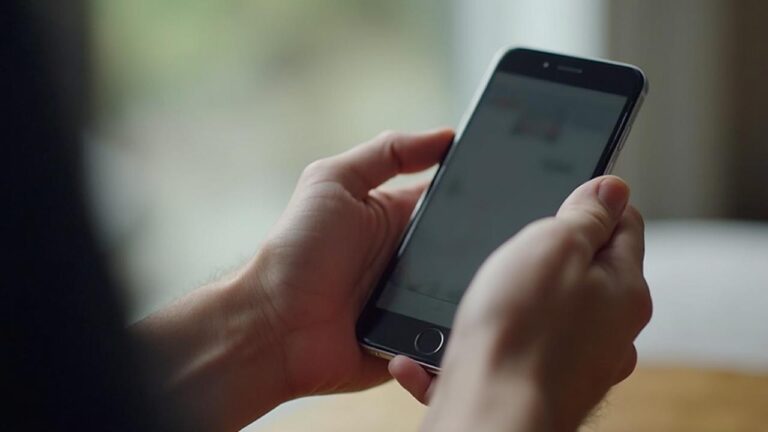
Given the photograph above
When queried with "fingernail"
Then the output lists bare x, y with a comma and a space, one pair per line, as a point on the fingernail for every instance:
614, 194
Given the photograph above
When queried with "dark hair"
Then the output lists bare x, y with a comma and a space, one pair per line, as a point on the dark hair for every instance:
68, 363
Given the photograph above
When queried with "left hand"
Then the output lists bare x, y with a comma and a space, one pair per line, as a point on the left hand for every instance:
320, 262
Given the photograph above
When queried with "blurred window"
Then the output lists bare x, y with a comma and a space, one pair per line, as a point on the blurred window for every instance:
206, 111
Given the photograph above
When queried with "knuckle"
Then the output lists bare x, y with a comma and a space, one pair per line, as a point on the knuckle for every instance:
554, 242
599, 218
634, 215
568, 242
538, 227
316, 168
641, 302
388, 137
646, 303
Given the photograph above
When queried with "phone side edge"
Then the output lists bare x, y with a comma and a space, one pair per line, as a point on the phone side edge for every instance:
388, 355
630, 120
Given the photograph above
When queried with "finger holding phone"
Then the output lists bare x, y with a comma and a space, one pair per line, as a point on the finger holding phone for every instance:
541, 125
548, 323
288, 324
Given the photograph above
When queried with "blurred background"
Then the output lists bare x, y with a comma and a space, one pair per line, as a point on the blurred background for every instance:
205, 112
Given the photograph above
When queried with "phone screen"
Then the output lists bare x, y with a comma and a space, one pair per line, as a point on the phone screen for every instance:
529, 143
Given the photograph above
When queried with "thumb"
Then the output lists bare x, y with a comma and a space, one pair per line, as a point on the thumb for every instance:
595, 208
412, 377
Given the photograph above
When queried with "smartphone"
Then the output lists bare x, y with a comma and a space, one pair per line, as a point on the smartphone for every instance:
541, 125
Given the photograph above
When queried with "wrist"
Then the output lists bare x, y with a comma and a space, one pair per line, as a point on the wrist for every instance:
242, 368
253, 342
220, 354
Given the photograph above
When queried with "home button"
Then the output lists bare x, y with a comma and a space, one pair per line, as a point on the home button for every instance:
429, 341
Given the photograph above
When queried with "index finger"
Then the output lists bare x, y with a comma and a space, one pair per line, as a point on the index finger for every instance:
365, 167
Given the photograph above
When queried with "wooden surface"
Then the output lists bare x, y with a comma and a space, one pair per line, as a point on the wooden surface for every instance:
652, 399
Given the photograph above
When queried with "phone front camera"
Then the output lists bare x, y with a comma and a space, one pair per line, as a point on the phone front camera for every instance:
545, 64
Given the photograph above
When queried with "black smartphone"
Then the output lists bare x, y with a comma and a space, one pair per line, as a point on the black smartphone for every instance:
541, 125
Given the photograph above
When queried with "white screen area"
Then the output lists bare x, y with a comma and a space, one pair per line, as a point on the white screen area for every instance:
528, 145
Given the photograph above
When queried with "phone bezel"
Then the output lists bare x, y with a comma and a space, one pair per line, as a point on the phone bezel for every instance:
385, 333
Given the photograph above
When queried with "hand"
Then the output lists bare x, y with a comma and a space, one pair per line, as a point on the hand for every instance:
548, 323
326, 253
284, 325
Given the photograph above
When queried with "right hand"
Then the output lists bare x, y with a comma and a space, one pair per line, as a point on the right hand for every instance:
548, 323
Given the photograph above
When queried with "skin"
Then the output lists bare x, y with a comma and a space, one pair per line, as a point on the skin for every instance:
282, 327
549, 327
